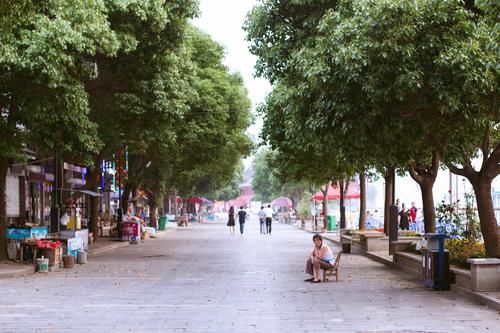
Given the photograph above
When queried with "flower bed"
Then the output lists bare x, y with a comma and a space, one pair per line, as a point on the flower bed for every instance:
461, 250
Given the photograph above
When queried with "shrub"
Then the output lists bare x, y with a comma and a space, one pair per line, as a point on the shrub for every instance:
376, 229
409, 234
304, 206
413, 248
461, 250
457, 222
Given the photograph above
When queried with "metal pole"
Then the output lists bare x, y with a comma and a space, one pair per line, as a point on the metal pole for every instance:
451, 187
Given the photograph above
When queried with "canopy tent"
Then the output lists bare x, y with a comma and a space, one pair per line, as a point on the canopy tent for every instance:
281, 202
199, 200
334, 194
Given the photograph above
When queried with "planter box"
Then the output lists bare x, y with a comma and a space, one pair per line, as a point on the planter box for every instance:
346, 242
408, 262
346, 232
371, 241
402, 243
485, 274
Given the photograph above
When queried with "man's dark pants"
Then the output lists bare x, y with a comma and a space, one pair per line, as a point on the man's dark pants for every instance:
269, 222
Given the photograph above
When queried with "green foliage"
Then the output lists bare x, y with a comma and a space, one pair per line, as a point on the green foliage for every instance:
412, 248
304, 206
277, 28
262, 182
211, 137
462, 249
375, 84
232, 190
43, 62
406, 233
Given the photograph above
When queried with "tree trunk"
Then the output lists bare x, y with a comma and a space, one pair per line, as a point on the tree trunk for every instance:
362, 200
428, 206
481, 183
4, 166
388, 199
175, 207
153, 206
425, 176
154, 194
343, 191
124, 198
488, 221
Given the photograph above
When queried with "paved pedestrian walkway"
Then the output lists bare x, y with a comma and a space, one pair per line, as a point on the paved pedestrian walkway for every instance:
201, 279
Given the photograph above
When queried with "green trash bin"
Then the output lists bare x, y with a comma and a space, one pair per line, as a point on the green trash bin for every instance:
332, 222
163, 222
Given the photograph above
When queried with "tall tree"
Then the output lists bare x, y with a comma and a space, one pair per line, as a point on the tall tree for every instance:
211, 137
139, 96
43, 63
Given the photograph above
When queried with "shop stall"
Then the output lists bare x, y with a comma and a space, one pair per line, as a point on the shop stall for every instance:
17, 235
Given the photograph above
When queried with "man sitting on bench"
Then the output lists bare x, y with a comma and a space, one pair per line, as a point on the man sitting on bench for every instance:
321, 257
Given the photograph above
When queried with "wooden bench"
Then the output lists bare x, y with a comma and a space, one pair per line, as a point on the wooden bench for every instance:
334, 270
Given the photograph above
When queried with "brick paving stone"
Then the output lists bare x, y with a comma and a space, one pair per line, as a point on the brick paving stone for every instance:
201, 279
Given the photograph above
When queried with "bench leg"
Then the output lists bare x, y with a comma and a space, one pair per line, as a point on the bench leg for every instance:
326, 274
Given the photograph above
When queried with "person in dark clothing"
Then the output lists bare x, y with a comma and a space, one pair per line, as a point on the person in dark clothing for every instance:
404, 223
242, 216
230, 222
269, 218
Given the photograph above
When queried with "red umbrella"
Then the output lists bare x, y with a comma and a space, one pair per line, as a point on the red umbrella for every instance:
334, 194
199, 200
195, 200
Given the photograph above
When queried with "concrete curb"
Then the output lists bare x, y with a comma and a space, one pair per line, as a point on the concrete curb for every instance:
108, 247
477, 297
120, 244
17, 272
26, 270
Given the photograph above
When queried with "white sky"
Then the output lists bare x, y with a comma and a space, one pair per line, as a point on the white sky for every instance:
223, 20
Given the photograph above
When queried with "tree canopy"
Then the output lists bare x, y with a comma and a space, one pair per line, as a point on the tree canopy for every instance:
378, 84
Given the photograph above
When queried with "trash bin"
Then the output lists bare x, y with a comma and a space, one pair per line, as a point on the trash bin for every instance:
436, 263
332, 222
163, 222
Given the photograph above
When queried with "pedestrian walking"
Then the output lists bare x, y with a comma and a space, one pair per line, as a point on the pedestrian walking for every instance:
231, 222
262, 220
269, 219
242, 216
